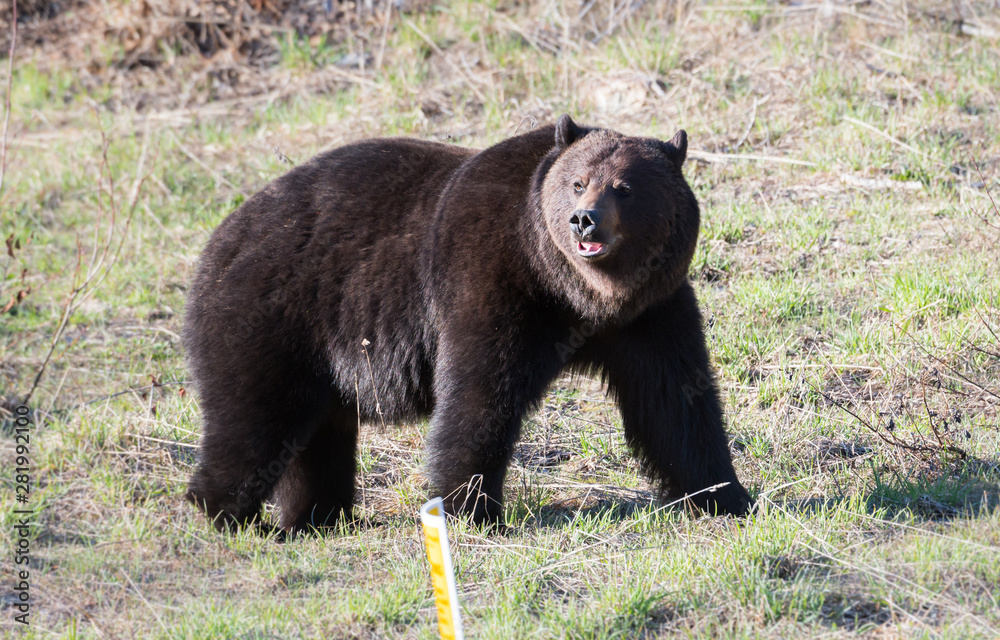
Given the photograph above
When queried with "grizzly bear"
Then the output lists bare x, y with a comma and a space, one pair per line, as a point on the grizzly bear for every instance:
393, 279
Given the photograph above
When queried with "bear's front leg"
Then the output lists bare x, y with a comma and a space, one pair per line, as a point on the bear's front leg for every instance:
483, 392
469, 447
657, 367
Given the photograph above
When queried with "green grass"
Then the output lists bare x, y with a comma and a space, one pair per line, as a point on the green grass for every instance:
834, 299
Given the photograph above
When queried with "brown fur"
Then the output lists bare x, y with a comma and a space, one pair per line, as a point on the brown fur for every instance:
462, 273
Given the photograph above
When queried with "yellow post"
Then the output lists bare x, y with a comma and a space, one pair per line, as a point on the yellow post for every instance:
442, 571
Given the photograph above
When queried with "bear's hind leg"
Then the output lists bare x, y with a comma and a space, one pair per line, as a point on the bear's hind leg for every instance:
231, 481
318, 487
250, 441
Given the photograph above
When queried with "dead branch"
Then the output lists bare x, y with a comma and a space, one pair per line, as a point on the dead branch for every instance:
985, 217
7, 100
891, 439
103, 257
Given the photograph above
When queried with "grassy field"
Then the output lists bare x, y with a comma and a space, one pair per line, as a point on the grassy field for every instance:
848, 270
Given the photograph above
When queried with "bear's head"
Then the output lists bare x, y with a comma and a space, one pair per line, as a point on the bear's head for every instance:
621, 215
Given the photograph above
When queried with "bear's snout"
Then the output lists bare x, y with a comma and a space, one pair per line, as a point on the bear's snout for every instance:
584, 223
591, 240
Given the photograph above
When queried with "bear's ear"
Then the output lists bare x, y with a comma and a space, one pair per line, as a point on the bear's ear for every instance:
676, 150
567, 131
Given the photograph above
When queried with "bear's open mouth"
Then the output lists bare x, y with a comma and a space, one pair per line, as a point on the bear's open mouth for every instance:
590, 249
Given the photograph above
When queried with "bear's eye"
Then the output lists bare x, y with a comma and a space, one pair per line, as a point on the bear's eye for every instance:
578, 187
623, 189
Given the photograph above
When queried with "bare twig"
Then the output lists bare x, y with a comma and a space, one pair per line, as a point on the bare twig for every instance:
470, 81
530, 119
934, 429
102, 259
893, 140
893, 440
282, 157
991, 330
149, 387
212, 172
708, 156
385, 36
371, 372
985, 217
947, 366
890, 439
7, 100
746, 133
